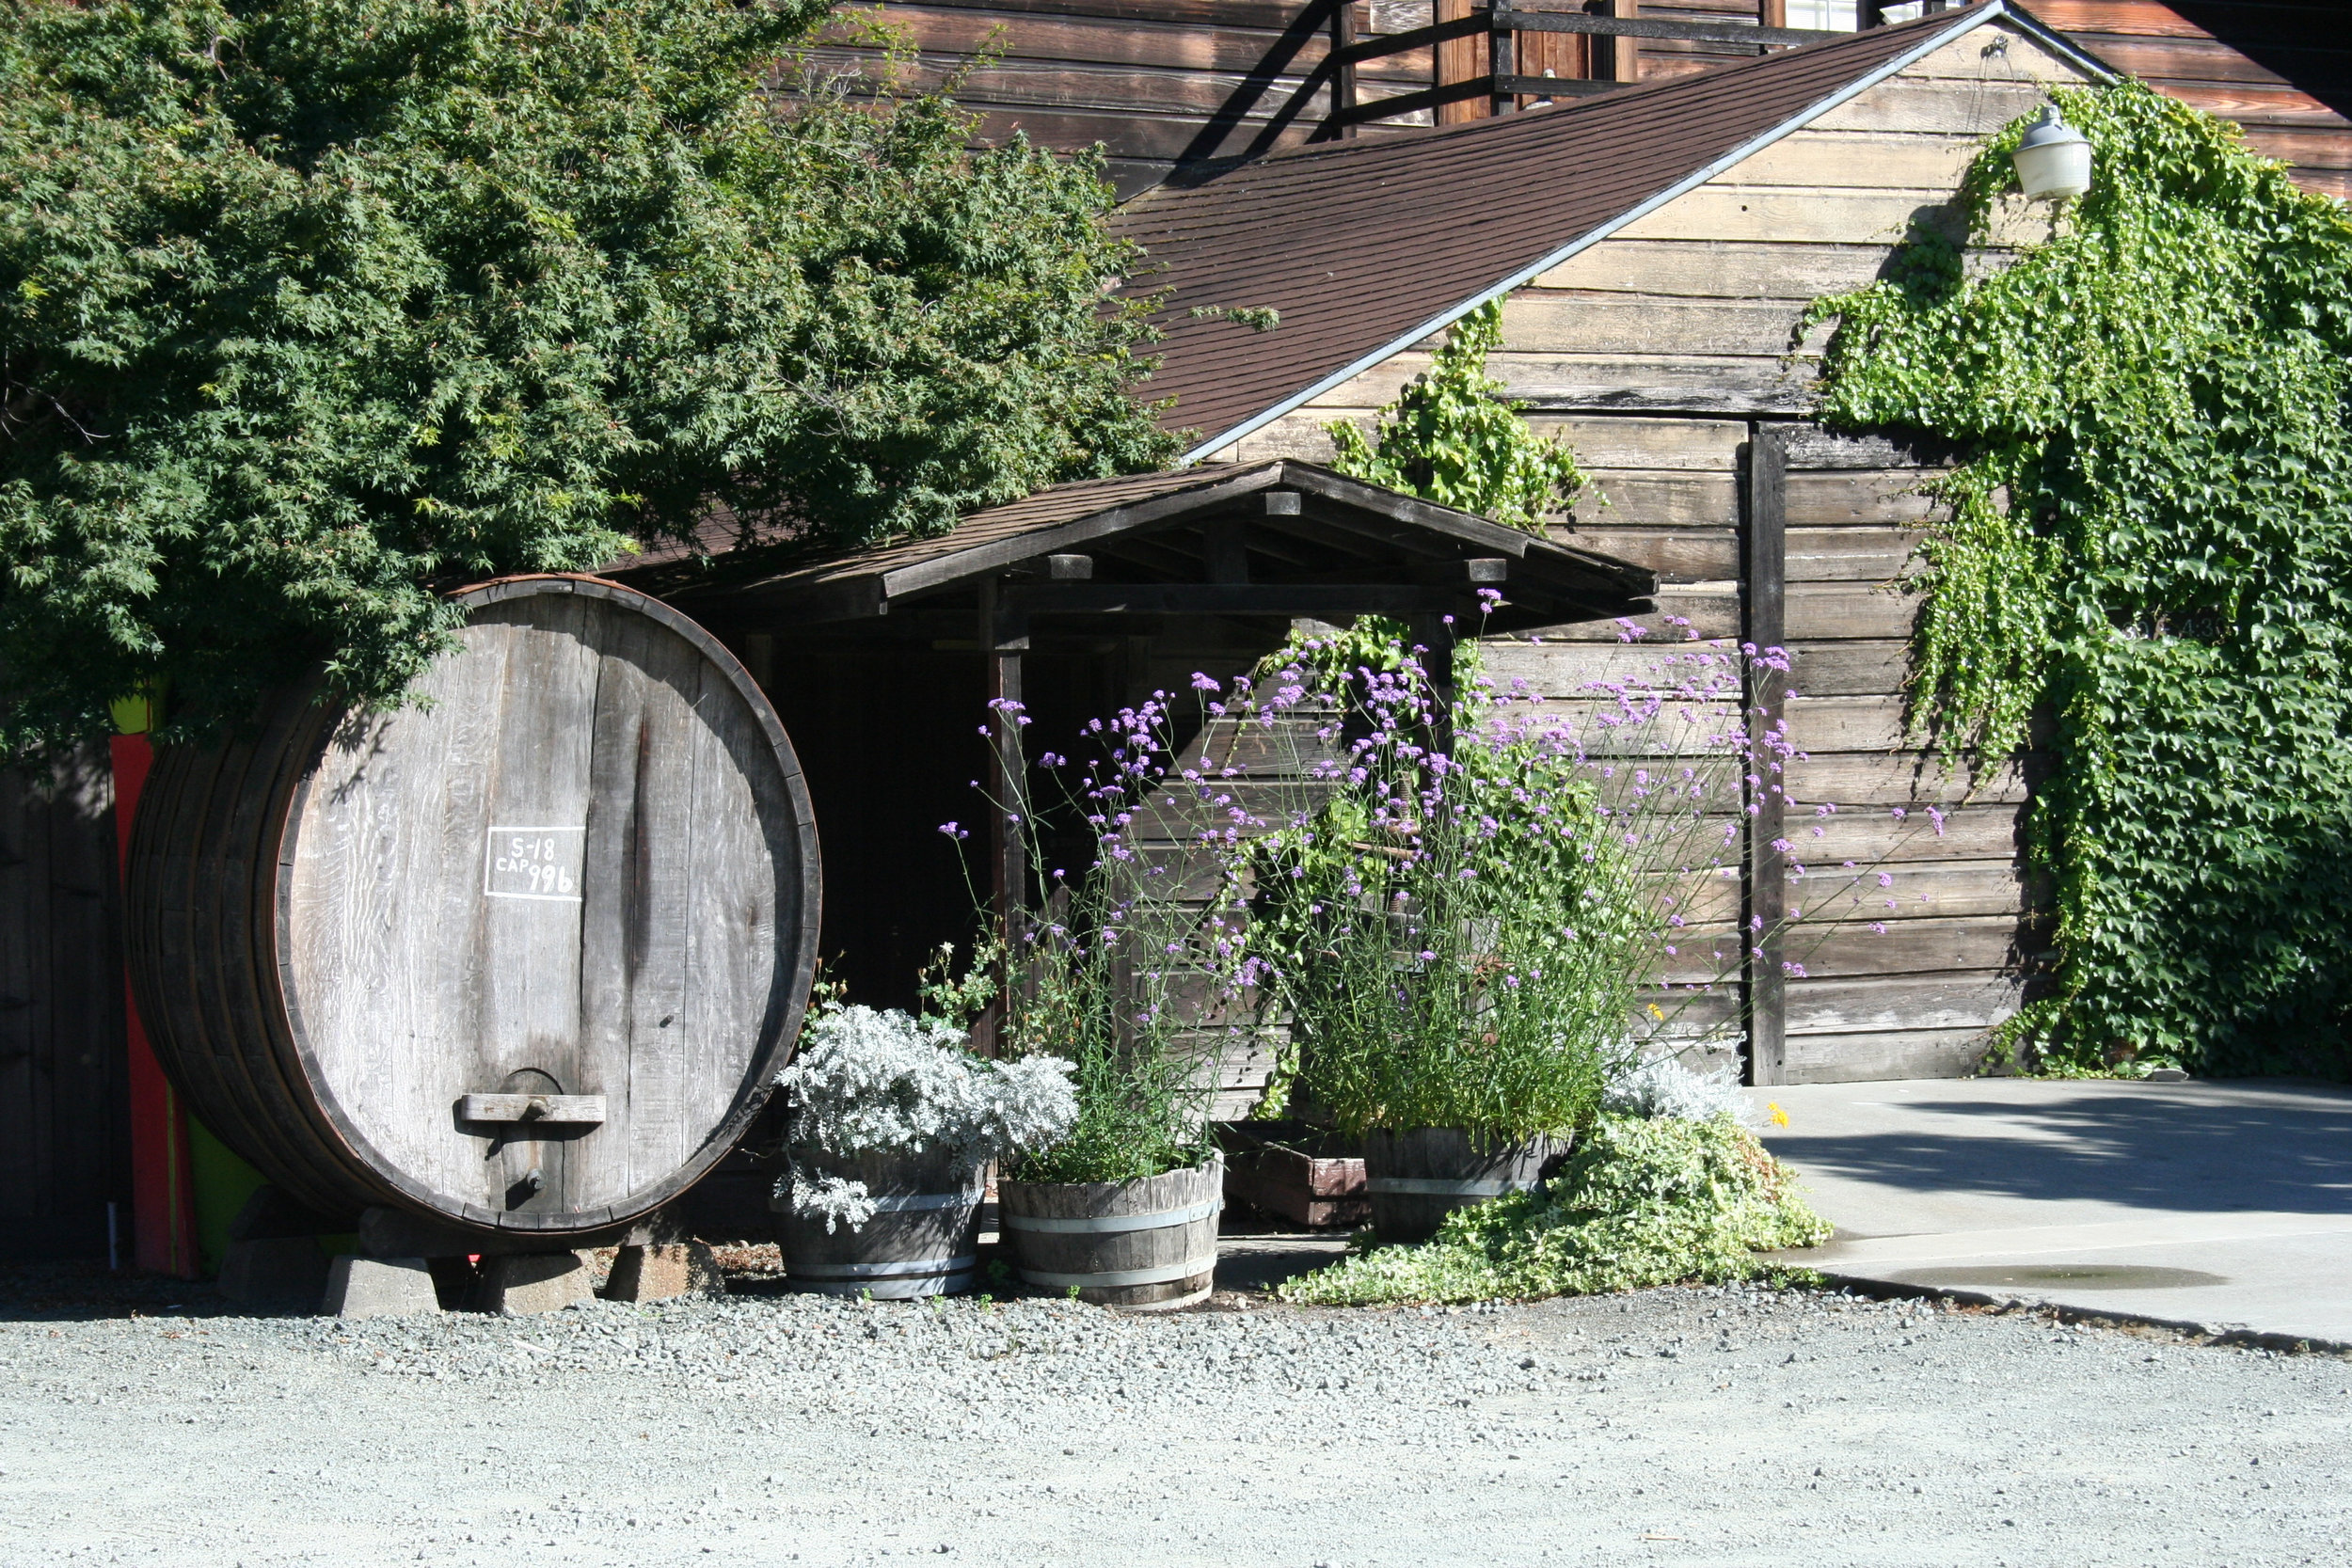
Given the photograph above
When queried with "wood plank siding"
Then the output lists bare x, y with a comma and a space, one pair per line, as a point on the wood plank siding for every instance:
2281, 69
1164, 84
64, 1123
1156, 83
1662, 354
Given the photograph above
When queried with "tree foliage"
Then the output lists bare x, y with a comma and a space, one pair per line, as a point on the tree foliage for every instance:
1452, 436
2153, 545
308, 308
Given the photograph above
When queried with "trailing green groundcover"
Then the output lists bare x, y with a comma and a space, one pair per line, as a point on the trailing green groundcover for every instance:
310, 307
2160, 392
1642, 1202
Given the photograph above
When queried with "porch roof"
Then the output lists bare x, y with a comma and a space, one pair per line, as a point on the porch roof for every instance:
1274, 538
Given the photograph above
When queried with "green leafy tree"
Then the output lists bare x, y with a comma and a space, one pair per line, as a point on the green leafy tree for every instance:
1452, 436
2153, 545
312, 307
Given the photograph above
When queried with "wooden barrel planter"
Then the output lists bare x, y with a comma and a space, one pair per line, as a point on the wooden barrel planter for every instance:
923, 1239
1148, 1243
523, 958
1417, 1177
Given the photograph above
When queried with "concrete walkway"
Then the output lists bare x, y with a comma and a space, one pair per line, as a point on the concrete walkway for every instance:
2228, 1204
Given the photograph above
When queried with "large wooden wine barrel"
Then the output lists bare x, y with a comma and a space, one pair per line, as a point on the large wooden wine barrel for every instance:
521, 956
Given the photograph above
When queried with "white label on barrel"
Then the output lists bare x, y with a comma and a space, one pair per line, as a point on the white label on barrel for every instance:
534, 863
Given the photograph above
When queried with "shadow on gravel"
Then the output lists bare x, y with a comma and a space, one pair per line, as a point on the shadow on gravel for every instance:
82, 1293
2284, 1151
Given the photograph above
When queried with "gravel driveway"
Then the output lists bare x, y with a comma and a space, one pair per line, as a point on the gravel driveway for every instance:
1674, 1426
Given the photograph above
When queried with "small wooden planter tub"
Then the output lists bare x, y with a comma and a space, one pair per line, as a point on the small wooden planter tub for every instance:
923, 1239
1149, 1243
1419, 1175
1299, 1173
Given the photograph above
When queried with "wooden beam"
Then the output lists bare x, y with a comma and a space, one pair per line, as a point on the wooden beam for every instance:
1223, 554
1462, 91
1552, 86
1763, 600
1334, 602
1457, 65
1484, 571
1624, 24
1490, 536
1502, 69
958, 565
1468, 25
1620, 57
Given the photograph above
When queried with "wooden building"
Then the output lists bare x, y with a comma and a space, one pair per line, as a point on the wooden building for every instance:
1656, 229
1654, 249
1173, 84
64, 1099
2281, 69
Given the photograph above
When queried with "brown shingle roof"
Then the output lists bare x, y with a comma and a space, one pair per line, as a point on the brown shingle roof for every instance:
1365, 247
1047, 509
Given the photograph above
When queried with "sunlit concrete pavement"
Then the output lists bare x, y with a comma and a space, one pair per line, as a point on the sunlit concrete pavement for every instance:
2227, 1204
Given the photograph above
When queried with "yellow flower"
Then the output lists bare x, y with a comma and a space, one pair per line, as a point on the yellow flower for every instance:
1656, 1013
1780, 1117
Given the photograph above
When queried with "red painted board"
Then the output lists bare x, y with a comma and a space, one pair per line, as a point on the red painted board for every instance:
163, 1186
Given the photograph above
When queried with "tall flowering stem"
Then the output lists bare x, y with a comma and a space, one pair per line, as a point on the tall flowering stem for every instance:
1107, 975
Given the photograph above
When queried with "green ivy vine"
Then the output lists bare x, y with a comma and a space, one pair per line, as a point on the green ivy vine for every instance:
1454, 438
2150, 550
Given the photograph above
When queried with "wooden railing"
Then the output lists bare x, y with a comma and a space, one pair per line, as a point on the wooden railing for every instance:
1503, 87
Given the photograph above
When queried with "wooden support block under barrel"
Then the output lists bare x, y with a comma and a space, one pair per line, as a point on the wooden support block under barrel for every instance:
658, 1271
397, 1233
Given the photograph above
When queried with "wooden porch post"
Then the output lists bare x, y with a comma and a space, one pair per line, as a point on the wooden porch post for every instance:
1458, 60
1429, 630
1004, 638
1617, 59
1501, 61
1344, 76
1763, 600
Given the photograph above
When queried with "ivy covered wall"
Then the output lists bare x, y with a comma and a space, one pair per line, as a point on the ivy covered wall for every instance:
2153, 546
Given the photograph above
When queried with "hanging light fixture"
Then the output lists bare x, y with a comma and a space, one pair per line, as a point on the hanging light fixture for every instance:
2054, 160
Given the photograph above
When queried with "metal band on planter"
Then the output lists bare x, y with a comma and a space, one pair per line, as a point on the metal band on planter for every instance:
889, 1271
1417, 1176
1158, 1275
927, 1200
1100, 1225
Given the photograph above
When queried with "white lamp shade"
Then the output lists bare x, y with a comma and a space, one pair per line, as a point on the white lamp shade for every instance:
2054, 160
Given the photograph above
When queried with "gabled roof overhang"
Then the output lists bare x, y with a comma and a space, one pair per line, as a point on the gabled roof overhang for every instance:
1279, 539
